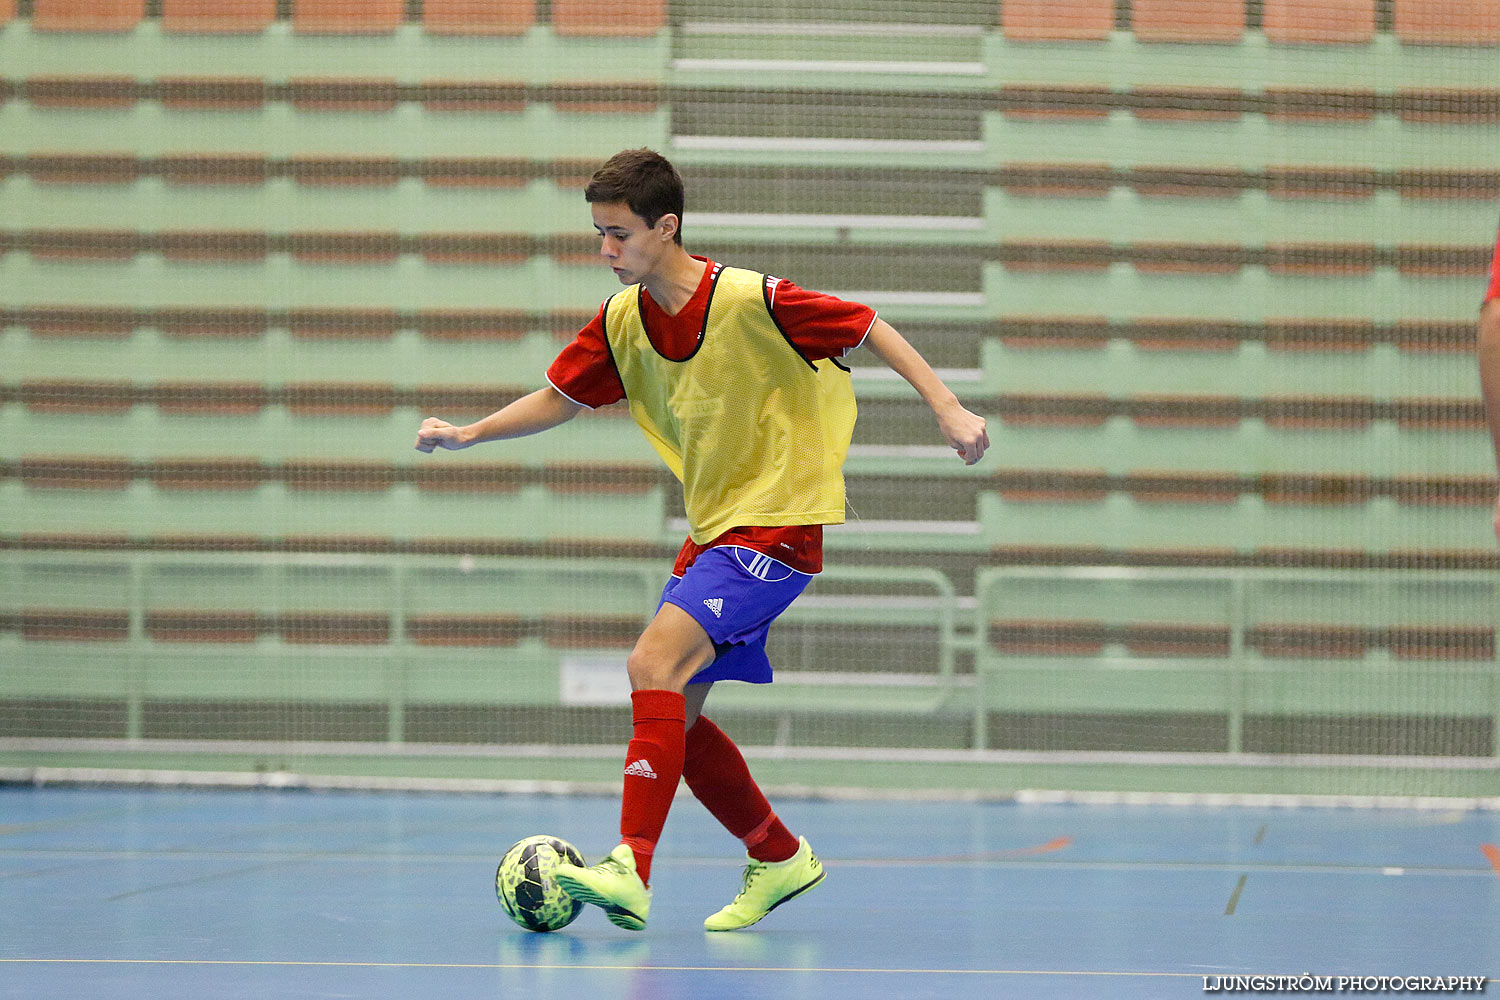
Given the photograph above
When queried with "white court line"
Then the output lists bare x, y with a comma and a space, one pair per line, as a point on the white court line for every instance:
45, 776
1023, 861
589, 966
806, 220
886, 66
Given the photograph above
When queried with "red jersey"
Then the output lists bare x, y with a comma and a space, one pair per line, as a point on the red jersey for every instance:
1494, 292
819, 326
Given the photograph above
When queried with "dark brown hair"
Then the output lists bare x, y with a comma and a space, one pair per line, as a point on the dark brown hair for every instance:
644, 180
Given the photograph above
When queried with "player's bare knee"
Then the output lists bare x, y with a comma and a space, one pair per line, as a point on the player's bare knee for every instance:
649, 672
643, 674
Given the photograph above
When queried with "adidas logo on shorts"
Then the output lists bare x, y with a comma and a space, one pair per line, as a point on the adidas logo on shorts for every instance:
640, 768
716, 605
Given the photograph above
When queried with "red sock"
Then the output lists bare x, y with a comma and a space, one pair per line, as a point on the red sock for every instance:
716, 772
653, 765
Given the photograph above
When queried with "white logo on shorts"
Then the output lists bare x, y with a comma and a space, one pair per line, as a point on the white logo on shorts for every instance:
716, 605
762, 566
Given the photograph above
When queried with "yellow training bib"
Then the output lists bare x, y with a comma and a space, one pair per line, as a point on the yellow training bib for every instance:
756, 433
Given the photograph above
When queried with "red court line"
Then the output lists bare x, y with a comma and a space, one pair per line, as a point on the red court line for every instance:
1047, 848
1013, 852
1493, 853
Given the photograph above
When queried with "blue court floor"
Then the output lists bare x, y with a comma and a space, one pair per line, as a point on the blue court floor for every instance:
212, 895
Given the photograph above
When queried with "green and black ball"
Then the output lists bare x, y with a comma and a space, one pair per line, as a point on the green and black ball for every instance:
528, 893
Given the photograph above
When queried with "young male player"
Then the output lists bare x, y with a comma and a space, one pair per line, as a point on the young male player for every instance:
734, 378
1489, 361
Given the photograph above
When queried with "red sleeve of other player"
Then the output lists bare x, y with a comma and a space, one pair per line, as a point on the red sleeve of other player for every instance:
821, 326
584, 371
1494, 292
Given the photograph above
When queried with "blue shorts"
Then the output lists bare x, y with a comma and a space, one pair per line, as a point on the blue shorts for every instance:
735, 593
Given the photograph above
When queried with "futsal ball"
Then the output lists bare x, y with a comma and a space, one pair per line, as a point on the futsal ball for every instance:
528, 892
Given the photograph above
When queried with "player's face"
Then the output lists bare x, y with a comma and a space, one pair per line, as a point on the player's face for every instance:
630, 247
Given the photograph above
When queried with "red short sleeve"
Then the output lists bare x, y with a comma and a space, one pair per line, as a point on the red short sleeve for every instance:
821, 326
1494, 292
585, 371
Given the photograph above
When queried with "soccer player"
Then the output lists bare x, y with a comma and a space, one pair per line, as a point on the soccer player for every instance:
734, 377
1489, 362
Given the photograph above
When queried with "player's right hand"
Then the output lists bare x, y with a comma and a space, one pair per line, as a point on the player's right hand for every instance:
965, 433
435, 433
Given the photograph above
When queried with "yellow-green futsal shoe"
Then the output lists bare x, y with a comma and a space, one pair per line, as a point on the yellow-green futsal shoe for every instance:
611, 884
768, 884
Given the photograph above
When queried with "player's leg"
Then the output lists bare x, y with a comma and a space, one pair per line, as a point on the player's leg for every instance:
673, 648
693, 696
779, 866
755, 591
718, 777
669, 652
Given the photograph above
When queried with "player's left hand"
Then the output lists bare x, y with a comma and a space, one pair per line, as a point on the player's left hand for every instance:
965, 433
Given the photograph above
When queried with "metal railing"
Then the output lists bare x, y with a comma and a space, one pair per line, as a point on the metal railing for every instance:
1232, 680
1242, 603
